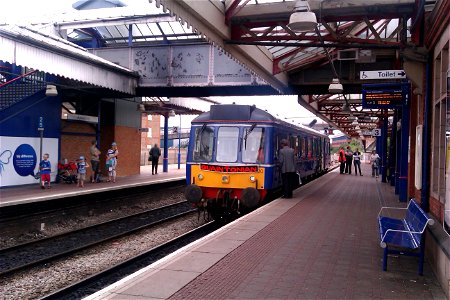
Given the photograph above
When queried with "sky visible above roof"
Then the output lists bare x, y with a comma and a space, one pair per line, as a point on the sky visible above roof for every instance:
24, 11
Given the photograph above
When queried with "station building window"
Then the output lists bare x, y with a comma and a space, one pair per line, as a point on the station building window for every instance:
441, 120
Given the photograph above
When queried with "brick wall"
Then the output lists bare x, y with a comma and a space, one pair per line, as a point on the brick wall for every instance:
154, 125
129, 144
437, 209
76, 140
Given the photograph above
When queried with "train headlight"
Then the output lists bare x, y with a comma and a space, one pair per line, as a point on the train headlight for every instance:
252, 178
225, 179
200, 176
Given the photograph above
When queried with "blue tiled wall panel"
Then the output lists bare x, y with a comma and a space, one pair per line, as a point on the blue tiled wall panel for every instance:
22, 119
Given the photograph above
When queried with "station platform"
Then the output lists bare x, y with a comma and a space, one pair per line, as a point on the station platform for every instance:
322, 244
32, 193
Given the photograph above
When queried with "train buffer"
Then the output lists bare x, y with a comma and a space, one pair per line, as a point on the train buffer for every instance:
406, 235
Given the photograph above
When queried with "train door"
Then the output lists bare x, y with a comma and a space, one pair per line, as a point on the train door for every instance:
275, 148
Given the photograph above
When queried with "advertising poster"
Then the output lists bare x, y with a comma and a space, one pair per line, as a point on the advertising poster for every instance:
19, 159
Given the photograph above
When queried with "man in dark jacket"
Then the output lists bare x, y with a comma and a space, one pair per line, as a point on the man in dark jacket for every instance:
154, 155
287, 162
348, 160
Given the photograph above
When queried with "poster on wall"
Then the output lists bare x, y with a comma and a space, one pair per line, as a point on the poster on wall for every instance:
19, 159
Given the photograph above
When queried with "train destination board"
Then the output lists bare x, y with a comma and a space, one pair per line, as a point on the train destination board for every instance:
387, 95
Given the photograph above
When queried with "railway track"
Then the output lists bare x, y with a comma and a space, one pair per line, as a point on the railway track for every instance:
22, 212
38, 252
96, 282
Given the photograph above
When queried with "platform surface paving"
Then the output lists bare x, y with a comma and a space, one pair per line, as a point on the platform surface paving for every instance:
322, 244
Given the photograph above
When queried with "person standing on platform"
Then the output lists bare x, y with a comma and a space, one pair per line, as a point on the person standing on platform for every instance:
81, 171
154, 155
287, 162
45, 168
357, 162
348, 160
111, 162
375, 162
95, 161
341, 160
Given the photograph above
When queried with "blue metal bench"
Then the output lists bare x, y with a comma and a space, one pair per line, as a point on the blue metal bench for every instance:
406, 235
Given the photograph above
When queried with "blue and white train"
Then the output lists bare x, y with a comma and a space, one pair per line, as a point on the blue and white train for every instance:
232, 163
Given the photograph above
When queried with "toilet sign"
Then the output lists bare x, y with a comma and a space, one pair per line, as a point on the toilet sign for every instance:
382, 74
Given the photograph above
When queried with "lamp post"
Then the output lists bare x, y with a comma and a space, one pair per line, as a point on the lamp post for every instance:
179, 144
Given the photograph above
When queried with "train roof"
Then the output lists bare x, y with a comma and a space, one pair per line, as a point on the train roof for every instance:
245, 114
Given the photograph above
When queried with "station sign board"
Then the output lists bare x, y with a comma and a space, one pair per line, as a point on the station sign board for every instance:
376, 132
385, 95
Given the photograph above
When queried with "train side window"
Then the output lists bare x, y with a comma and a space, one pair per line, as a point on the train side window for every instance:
304, 147
310, 147
204, 142
253, 146
227, 144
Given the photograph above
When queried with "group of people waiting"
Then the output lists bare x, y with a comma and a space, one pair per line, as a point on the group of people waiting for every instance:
347, 157
82, 165
111, 163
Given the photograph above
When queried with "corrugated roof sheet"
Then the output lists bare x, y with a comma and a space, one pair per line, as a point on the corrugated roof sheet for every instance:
28, 47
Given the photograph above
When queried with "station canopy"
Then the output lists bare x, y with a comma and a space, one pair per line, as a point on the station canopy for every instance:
350, 36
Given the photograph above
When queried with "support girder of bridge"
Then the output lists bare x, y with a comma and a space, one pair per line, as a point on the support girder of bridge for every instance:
187, 70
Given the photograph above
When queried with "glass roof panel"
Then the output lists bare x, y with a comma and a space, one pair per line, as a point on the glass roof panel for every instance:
177, 28
123, 30
166, 28
154, 29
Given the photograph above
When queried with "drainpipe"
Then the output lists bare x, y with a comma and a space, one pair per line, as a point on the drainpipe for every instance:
166, 142
403, 178
393, 150
384, 134
425, 204
398, 153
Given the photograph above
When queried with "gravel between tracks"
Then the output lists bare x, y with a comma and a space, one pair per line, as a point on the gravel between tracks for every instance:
61, 222
39, 281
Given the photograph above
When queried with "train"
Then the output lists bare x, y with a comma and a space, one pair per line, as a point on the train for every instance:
232, 161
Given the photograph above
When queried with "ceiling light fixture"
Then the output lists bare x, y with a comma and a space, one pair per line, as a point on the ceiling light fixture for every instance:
50, 90
335, 86
302, 19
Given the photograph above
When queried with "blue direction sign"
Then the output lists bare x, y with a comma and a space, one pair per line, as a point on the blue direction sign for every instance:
385, 95
41, 122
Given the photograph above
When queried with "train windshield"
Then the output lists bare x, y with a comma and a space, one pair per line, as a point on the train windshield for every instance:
253, 145
204, 141
227, 144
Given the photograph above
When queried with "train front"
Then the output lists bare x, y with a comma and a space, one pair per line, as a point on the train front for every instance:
225, 169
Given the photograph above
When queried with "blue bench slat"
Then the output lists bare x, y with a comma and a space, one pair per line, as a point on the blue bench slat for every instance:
401, 239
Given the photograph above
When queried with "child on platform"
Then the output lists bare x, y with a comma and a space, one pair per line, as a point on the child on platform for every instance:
45, 169
81, 170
